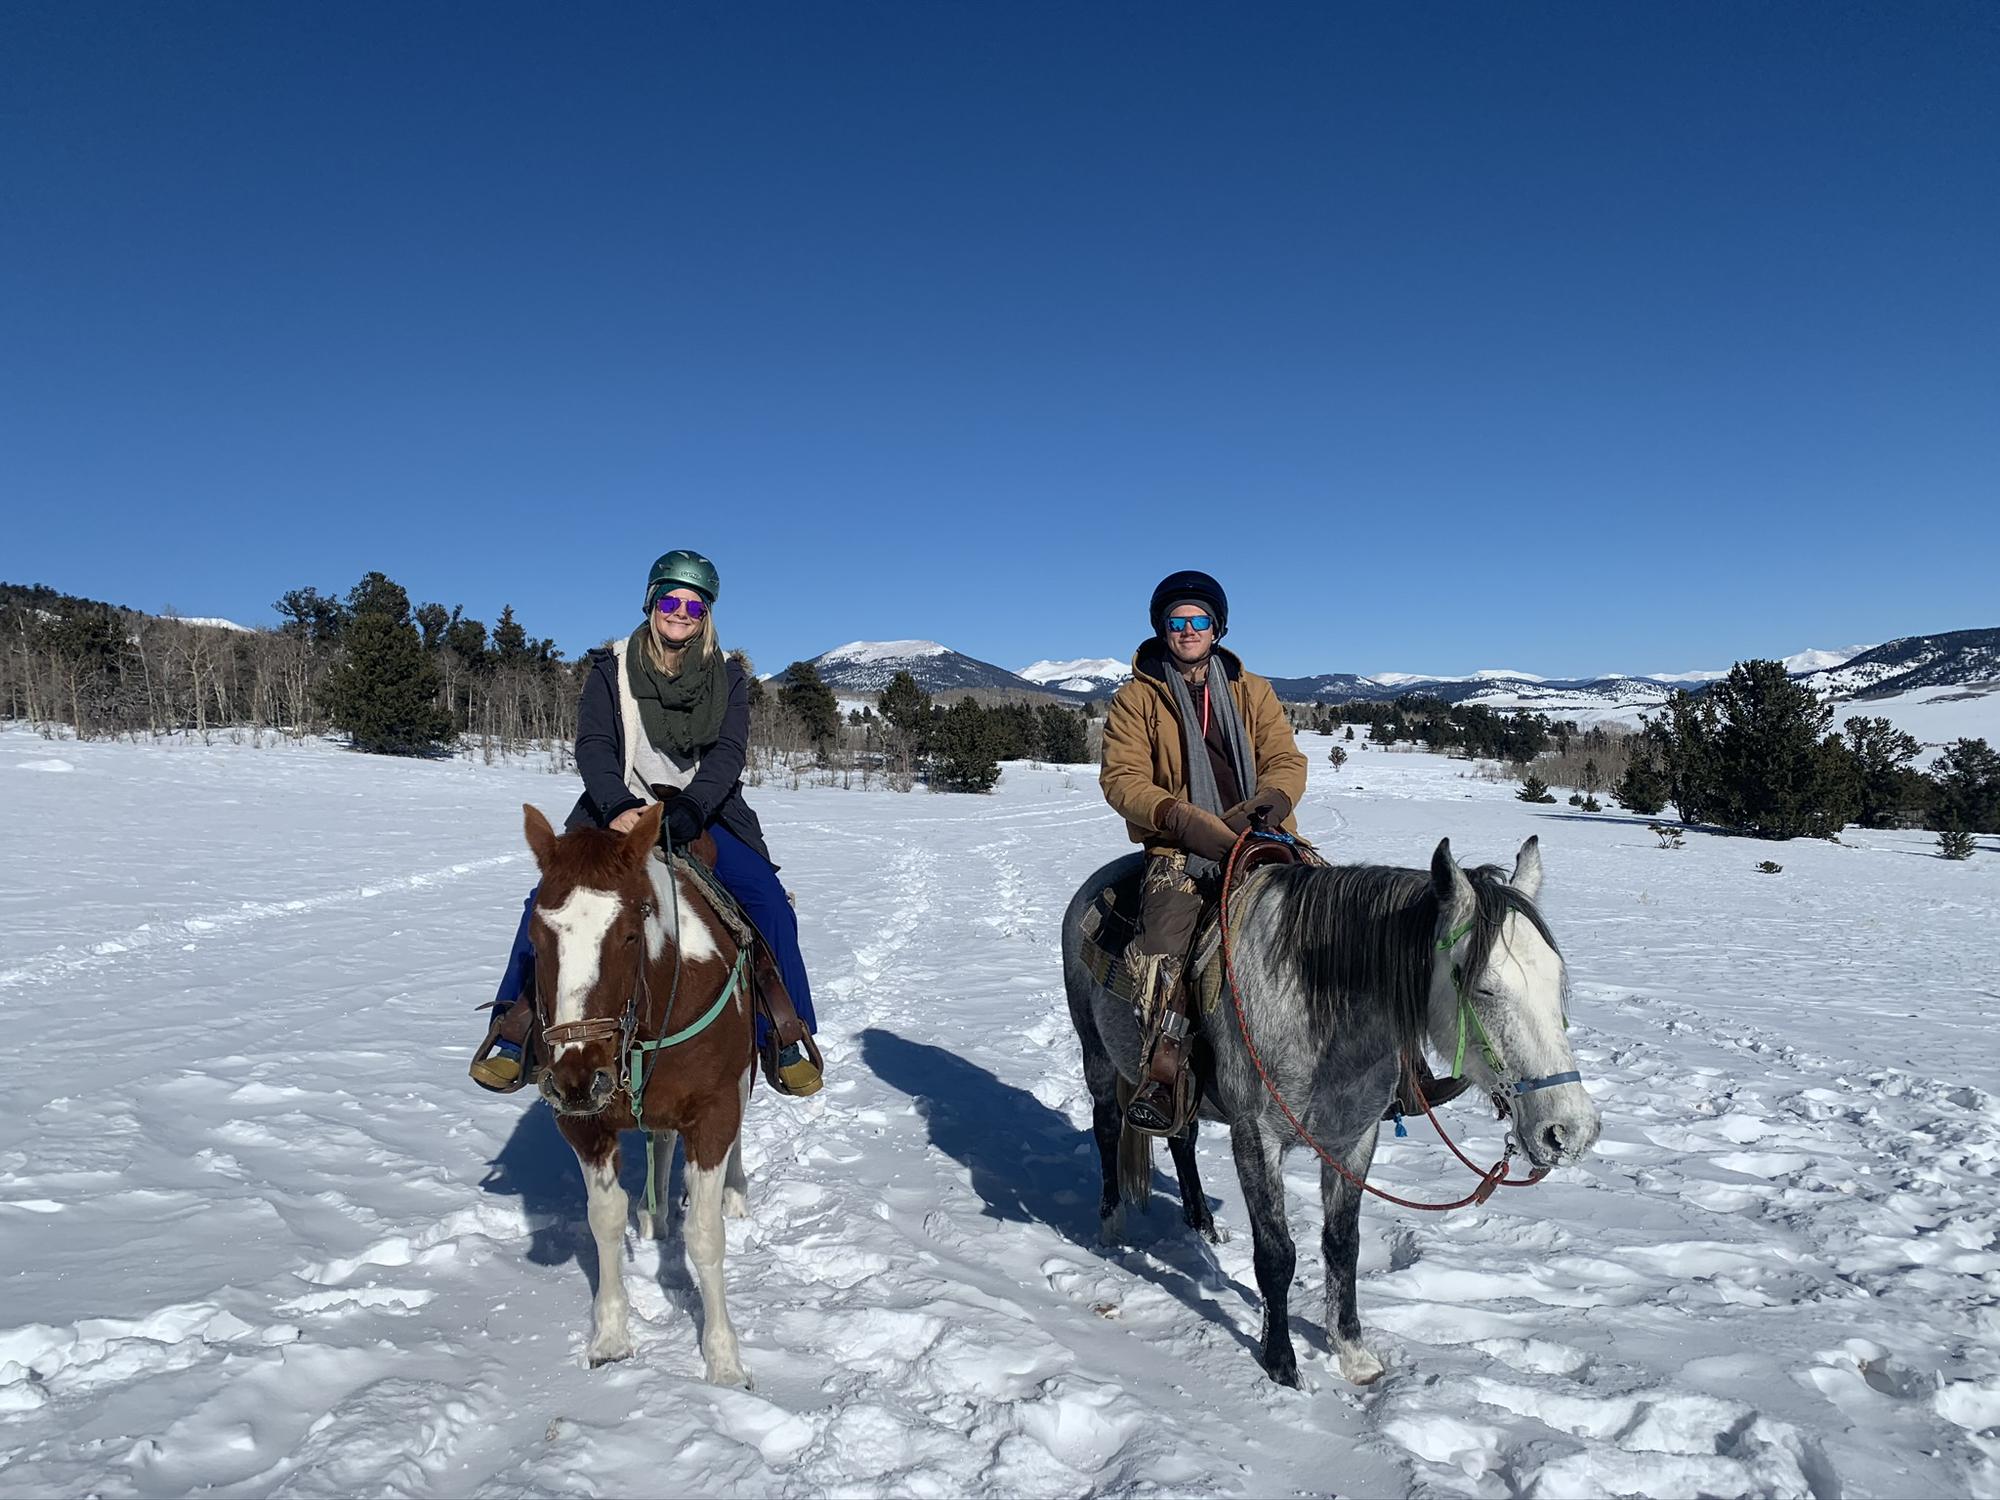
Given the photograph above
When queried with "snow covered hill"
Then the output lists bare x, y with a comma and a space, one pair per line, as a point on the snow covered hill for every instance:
261, 1237
1958, 658
867, 667
1096, 676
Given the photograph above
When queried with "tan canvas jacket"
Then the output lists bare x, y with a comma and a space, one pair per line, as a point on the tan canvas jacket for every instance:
1144, 766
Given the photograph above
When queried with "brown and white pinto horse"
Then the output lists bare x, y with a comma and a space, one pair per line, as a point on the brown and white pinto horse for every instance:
628, 950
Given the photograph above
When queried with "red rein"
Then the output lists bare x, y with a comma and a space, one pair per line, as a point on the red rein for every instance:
1496, 1177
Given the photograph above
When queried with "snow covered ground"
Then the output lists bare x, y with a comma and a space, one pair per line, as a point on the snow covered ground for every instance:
258, 1234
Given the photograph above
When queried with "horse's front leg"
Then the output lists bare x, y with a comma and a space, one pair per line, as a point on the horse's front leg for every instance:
705, 1245
736, 1185
1257, 1168
1340, 1238
596, 1148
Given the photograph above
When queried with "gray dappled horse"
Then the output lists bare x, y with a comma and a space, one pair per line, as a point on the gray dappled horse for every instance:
1343, 970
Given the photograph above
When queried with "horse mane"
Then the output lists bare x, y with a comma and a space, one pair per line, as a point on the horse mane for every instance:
1363, 936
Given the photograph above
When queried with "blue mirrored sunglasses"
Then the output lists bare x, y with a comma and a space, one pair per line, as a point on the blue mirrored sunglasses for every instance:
1178, 623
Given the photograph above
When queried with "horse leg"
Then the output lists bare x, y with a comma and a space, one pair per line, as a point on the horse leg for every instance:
1107, 1126
610, 1314
1340, 1238
653, 1224
735, 1185
705, 1245
1257, 1168
1195, 1211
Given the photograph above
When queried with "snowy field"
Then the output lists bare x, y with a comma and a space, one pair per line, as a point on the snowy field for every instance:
259, 1235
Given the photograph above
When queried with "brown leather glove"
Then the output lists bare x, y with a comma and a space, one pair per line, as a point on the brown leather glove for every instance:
1198, 832
1267, 809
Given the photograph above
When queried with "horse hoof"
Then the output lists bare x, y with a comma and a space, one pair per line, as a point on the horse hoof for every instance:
1213, 1232
735, 1204
1285, 1374
1360, 1366
730, 1374
609, 1353
1111, 1227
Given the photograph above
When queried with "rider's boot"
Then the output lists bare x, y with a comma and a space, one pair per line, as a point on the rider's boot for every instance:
793, 1062
500, 1064
1165, 1097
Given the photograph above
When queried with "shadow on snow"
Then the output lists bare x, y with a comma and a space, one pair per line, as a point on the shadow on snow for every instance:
1030, 1164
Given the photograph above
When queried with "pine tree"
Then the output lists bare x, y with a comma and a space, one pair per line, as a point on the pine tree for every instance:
384, 692
1954, 843
1968, 773
962, 758
1065, 738
812, 702
1881, 754
1642, 789
1777, 773
1534, 789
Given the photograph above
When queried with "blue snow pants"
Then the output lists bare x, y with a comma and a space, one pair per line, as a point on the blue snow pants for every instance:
747, 876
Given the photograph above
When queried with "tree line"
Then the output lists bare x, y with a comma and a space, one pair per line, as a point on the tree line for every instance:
907, 736
393, 677
1756, 753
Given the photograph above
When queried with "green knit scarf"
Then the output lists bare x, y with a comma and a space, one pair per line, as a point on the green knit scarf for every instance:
682, 715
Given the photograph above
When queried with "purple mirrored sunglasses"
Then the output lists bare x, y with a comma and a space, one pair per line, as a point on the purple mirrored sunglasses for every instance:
667, 604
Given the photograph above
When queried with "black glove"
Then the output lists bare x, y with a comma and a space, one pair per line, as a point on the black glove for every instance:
684, 820
1267, 809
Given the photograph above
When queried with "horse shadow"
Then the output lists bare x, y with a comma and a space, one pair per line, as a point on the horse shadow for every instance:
537, 1166
1030, 1164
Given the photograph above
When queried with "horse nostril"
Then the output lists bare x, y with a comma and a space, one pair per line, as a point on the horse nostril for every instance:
1552, 1139
601, 1082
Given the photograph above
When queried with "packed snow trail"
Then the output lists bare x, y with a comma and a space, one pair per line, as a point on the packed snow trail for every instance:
259, 1234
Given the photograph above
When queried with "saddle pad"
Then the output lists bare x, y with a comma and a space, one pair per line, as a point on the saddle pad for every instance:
1107, 930
726, 905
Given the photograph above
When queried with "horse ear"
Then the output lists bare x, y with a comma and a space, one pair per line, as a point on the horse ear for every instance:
645, 833
1448, 880
1528, 868
541, 837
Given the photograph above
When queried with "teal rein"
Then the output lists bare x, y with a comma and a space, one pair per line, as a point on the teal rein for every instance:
635, 1076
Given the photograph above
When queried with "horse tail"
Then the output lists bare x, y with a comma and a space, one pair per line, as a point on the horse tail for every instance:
1135, 1156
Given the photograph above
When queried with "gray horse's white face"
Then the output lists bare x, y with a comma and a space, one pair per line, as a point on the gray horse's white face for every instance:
1516, 1000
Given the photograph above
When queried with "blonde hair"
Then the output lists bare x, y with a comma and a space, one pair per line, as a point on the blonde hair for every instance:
703, 639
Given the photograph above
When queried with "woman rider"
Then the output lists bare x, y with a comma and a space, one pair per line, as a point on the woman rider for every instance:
664, 709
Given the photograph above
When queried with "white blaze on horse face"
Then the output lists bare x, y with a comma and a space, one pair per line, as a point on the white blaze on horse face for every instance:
1526, 975
696, 940
580, 924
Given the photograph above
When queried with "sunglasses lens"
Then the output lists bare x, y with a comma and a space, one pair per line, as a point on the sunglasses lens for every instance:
1179, 623
695, 608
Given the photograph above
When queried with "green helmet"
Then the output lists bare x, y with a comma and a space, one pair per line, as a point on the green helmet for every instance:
682, 569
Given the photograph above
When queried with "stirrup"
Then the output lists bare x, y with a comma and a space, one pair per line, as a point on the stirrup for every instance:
501, 1074
1143, 1117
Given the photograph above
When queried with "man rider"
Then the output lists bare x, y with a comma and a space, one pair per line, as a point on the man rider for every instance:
1195, 749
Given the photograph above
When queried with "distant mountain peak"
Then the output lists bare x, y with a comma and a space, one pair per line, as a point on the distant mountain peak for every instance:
863, 667
1094, 675
873, 651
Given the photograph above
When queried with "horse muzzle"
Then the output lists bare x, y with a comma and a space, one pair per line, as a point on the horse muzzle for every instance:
582, 1098
1556, 1131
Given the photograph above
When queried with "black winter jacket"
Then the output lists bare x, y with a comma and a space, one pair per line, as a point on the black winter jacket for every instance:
717, 787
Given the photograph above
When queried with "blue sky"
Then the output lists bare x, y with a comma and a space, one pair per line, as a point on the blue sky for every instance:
1557, 337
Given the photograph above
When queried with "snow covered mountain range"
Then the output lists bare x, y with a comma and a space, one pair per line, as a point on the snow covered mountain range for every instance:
1963, 660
